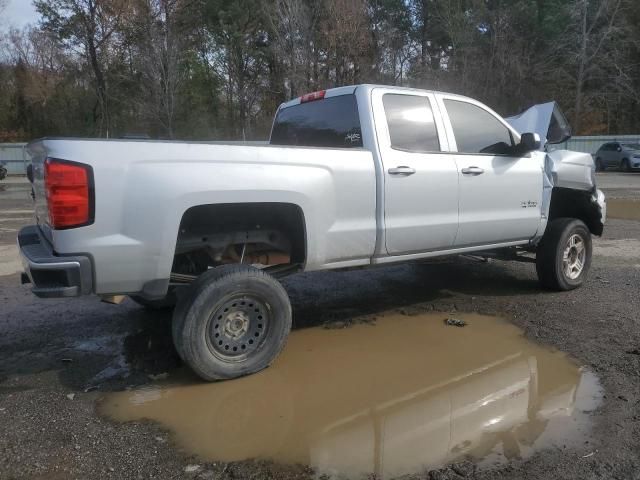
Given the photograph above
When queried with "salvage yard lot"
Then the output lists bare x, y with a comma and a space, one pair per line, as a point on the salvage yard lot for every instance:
61, 359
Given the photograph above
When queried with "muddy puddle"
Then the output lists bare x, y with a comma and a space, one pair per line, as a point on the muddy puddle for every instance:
623, 209
406, 394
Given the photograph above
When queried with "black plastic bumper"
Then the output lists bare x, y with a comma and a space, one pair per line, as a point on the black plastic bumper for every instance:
52, 275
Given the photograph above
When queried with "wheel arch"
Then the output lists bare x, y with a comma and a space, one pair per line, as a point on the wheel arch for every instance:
235, 220
572, 203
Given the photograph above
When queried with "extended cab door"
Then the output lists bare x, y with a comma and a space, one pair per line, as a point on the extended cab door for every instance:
614, 155
420, 182
500, 192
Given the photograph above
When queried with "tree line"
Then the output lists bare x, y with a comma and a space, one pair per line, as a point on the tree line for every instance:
218, 69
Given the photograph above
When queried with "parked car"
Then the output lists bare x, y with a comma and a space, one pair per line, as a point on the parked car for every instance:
353, 177
3, 172
624, 156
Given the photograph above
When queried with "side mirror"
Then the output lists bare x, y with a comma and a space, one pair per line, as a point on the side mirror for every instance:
619, 148
529, 142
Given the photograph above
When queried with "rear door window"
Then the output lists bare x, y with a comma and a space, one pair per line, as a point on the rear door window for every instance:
330, 122
478, 131
411, 124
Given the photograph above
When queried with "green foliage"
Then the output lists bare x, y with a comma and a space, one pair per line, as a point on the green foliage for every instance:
211, 69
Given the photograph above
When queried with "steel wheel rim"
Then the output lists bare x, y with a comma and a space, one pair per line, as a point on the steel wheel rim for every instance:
238, 327
574, 256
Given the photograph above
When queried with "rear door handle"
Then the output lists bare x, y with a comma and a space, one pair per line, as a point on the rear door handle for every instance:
473, 171
405, 171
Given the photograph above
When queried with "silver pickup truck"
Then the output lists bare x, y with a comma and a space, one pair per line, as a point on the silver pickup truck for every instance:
352, 177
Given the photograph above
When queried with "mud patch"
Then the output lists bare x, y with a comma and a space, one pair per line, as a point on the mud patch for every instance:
399, 397
623, 209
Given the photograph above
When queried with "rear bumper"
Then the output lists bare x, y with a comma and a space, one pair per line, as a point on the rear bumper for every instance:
52, 276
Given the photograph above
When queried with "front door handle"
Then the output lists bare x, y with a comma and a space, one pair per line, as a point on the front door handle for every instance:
405, 171
473, 171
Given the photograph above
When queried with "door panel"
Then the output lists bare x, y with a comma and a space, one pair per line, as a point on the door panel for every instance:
502, 204
500, 195
421, 210
613, 156
606, 156
420, 182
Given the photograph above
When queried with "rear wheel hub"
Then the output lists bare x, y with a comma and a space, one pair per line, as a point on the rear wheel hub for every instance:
238, 327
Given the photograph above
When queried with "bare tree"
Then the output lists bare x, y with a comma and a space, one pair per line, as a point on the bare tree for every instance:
160, 48
89, 27
585, 50
345, 40
292, 24
42, 61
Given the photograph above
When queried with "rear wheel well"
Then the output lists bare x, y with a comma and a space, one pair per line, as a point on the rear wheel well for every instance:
253, 233
570, 203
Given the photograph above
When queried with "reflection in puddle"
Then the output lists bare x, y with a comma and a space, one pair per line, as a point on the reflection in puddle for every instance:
394, 398
623, 209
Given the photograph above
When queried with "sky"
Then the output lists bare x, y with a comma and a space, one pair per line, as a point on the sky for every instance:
19, 13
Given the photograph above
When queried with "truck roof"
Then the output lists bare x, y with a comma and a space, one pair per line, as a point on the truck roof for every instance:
350, 89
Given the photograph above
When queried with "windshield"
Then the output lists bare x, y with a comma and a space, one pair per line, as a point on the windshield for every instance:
631, 146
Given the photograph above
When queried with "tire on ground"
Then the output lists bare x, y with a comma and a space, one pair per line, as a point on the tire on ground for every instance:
599, 165
625, 166
200, 310
550, 254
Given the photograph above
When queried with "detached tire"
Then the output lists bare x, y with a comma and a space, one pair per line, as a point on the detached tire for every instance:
233, 321
563, 257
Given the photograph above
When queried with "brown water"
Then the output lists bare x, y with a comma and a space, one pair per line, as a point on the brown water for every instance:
405, 394
623, 209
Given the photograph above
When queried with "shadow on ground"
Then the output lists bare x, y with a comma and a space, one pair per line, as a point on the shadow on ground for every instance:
93, 345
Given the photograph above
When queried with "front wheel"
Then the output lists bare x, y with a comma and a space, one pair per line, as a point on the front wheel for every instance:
625, 166
233, 321
599, 165
563, 257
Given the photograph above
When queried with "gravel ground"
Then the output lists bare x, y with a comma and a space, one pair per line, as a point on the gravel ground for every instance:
58, 357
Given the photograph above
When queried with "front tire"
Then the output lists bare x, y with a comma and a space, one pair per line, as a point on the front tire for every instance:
233, 321
625, 166
563, 257
599, 165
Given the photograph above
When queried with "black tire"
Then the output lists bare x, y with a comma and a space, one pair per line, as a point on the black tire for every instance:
550, 254
166, 303
599, 165
625, 166
233, 321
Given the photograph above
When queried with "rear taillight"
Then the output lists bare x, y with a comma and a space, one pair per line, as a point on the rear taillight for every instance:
69, 188
310, 97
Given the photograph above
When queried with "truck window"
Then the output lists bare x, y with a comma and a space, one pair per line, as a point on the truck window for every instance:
330, 122
411, 124
477, 131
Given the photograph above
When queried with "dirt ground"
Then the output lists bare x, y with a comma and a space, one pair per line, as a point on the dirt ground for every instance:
59, 357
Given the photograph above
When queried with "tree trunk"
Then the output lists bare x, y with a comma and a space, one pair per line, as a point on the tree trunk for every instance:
577, 111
